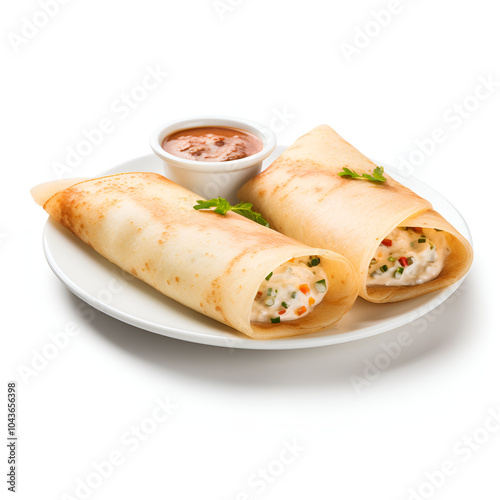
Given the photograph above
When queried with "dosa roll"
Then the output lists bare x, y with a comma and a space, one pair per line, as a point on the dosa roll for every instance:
302, 196
214, 264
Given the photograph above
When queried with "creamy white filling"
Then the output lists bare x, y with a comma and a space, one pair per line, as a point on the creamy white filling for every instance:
291, 292
425, 251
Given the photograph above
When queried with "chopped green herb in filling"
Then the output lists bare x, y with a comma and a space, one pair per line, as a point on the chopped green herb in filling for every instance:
399, 272
314, 262
290, 292
320, 286
403, 258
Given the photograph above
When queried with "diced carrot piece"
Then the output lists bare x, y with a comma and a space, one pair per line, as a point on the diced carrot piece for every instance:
304, 289
283, 311
311, 301
301, 310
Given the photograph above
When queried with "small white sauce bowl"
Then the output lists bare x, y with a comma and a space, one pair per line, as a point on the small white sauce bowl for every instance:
212, 179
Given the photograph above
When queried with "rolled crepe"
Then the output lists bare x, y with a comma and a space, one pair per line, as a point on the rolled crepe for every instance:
212, 263
302, 196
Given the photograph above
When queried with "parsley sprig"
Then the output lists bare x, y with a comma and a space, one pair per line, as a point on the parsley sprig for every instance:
378, 175
222, 206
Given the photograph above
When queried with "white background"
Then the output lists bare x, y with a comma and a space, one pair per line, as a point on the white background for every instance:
260, 60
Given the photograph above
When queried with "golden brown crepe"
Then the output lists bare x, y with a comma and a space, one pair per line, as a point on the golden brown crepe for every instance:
302, 196
212, 263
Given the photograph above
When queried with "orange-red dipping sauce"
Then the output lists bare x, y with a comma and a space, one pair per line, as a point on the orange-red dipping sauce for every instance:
212, 144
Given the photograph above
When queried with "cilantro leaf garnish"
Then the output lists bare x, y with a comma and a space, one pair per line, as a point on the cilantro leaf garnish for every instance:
351, 174
222, 206
377, 175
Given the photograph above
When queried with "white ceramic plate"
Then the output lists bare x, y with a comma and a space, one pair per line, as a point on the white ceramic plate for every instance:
114, 292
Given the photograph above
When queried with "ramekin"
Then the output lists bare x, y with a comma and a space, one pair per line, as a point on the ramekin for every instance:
212, 179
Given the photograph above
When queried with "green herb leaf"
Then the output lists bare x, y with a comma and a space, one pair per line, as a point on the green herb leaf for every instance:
399, 272
376, 176
347, 172
320, 286
222, 206
245, 209
268, 277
